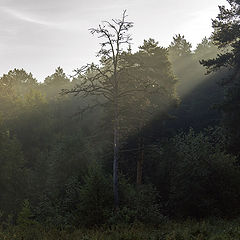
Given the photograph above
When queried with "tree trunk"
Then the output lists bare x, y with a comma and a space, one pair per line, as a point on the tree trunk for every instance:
140, 162
115, 160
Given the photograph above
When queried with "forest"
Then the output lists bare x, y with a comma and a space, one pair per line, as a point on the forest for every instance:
141, 145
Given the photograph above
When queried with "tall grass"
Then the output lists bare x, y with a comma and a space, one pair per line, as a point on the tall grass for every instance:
188, 230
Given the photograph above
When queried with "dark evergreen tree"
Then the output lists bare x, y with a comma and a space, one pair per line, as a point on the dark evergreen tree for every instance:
226, 36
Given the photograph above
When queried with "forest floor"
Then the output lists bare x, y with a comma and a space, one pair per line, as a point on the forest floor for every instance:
188, 230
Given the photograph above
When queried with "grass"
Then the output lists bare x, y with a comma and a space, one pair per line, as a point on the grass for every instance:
187, 230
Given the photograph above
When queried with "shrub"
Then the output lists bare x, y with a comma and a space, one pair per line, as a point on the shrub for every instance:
96, 197
27, 228
139, 204
204, 179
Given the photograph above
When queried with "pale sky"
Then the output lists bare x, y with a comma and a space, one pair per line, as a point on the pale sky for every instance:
40, 35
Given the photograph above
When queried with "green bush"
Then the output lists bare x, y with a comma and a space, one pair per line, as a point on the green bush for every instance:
96, 197
204, 179
27, 228
139, 204
95, 205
